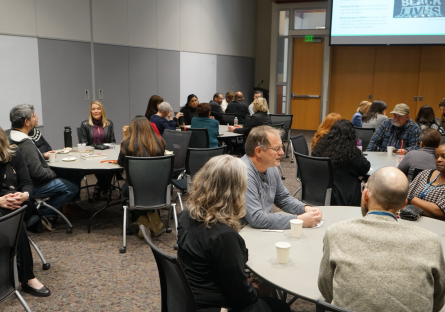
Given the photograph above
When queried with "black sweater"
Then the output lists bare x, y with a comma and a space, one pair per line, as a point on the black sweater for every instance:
86, 133
240, 109
17, 176
257, 119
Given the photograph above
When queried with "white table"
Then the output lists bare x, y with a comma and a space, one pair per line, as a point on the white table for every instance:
223, 131
381, 159
300, 275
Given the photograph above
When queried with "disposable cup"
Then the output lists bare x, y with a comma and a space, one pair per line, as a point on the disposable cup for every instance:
283, 249
81, 147
295, 227
390, 150
52, 158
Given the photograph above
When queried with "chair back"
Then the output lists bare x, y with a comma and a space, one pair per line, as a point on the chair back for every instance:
78, 134
198, 157
287, 119
10, 226
278, 125
316, 179
148, 181
227, 119
177, 142
176, 293
416, 172
364, 134
246, 119
199, 138
300, 146
322, 306
443, 139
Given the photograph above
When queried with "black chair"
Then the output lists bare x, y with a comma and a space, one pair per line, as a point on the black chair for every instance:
199, 138
364, 134
287, 119
322, 306
279, 126
78, 134
40, 200
299, 145
228, 119
177, 142
149, 187
176, 293
10, 226
246, 119
443, 139
316, 179
32, 221
416, 172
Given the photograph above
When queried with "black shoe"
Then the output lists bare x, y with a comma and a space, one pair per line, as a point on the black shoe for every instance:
42, 292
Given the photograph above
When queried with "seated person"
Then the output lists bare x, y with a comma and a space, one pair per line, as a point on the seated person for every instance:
427, 191
376, 115
425, 119
189, 110
205, 121
23, 119
38, 139
164, 119
256, 95
324, 128
377, 257
238, 108
152, 106
442, 110
97, 129
140, 140
424, 157
15, 190
361, 110
396, 129
230, 95
261, 117
347, 160
215, 105
265, 188
210, 249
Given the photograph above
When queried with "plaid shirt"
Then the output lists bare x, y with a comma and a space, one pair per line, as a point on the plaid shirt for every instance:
410, 136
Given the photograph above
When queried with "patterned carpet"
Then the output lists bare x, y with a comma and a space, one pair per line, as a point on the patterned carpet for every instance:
89, 274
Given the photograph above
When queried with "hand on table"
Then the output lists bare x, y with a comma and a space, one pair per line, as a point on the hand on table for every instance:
212, 117
311, 217
46, 155
404, 151
231, 128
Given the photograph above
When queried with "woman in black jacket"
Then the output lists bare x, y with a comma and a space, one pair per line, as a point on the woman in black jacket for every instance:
347, 160
189, 110
261, 117
97, 129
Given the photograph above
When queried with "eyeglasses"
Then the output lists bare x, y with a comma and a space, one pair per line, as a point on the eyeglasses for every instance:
276, 149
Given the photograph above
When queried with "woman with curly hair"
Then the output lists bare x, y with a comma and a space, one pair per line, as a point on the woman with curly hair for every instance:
347, 160
210, 250
324, 128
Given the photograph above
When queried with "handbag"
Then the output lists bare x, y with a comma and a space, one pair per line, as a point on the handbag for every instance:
411, 213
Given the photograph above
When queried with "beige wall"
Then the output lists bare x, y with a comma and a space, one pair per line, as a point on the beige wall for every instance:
262, 45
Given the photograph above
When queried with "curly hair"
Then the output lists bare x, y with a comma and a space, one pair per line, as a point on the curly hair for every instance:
324, 128
339, 144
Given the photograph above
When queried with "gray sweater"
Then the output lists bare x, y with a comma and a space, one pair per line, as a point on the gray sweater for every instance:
264, 190
421, 159
375, 122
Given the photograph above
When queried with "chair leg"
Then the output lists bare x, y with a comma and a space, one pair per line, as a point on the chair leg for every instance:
90, 200
22, 301
282, 176
180, 200
292, 151
45, 265
296, 191
69, 230
123, 249
168, 229
176, 225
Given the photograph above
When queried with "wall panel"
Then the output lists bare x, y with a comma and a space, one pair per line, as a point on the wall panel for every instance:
142, 23
110, 21
18, 17
168, 15
168, 77
249, 29
191, 25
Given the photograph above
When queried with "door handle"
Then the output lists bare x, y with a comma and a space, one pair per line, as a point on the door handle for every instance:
294, 96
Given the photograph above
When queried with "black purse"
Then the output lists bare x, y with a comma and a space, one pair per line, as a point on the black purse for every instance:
411, 213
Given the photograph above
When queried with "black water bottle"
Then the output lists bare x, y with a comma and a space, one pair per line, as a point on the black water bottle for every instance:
67, 137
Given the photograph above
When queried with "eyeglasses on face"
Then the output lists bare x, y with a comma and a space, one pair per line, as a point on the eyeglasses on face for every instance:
276, 149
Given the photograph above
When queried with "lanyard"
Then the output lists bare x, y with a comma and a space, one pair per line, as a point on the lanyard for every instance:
383, 213
423, 194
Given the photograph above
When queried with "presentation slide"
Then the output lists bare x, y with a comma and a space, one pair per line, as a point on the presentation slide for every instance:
388, 22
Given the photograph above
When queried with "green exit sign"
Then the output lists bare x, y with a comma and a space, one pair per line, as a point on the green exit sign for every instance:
308, 38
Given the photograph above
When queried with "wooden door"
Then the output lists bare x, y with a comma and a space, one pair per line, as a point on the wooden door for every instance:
396, 77
307, 75
432, 76
352, 78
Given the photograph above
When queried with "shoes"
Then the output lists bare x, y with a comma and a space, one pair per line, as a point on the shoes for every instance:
155, 222
74, 211
49, 222
96, 194
144, 221
42, 292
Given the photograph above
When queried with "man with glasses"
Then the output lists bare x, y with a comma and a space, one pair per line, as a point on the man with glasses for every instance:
395, 130
256, 95
264, 149
215, 106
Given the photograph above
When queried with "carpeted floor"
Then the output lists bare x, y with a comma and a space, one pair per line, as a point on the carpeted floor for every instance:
89, 274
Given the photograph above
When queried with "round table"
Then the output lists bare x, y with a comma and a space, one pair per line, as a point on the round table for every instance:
223, 132
381, 159
300, 275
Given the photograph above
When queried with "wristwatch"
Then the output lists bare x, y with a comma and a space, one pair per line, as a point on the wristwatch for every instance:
410, 198
26, 194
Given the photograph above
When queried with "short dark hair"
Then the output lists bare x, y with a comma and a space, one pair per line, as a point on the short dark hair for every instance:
258, 92
430, 138
216, 95
203, 109
19, 114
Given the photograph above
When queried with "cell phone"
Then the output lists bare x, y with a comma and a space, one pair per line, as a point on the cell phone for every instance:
221, 134
365, 154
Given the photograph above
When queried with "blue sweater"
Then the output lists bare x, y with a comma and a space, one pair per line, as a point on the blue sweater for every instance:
357, 120
212, 127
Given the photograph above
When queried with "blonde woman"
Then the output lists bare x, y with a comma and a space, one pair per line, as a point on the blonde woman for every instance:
361, 110
260, 117
211, 251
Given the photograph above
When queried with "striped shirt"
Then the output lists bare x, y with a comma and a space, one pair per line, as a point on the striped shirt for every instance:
436, 195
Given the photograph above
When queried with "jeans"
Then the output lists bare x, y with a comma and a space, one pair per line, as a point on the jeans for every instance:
63, 191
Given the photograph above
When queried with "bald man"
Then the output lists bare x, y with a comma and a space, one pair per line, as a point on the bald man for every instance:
238, 107
377, 263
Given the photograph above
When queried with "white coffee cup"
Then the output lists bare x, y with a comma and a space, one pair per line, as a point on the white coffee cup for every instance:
81, 147
52, 158
283, 249
390, 150
295, 227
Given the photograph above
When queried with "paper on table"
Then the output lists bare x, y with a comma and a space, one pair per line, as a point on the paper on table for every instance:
318, 225
279, 231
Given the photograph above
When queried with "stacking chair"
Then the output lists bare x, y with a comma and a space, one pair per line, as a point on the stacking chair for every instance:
228, 119
40, 200
10, 226
364, 134
322, 306
316, 179
28, 223
299, 145
416, 172
443, 139
149, 187
176, 293
199, 138
177, 142
287, 119
279, 126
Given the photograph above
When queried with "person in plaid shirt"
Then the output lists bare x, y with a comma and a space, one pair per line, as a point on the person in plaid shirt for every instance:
394, 130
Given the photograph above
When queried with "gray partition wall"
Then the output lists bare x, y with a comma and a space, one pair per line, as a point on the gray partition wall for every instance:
65, 74
168, 77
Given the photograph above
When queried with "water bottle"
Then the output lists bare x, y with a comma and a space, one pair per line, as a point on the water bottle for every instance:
359, 144
68, 137
235, 121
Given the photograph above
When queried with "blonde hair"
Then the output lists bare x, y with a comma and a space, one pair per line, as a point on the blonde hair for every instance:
364, 105
218, 190
105, 122
324, 128
6, 150
260, 104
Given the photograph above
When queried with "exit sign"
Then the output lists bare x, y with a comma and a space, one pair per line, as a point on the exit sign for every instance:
308, 38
